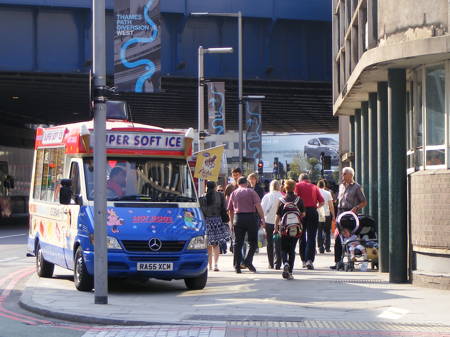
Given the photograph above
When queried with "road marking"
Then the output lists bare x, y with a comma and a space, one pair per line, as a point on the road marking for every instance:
393, 313
13, 279
12, 236
6, 259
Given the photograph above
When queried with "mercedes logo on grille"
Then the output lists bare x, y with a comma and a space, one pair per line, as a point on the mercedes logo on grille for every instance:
154, 244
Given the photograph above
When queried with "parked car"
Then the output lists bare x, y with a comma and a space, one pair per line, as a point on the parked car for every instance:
327, 145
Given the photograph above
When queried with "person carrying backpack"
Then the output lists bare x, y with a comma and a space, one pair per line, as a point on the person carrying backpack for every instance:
288, 225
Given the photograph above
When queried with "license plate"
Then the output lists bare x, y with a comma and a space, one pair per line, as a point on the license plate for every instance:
154, 266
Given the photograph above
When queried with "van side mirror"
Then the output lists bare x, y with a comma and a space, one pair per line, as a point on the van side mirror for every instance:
65, 193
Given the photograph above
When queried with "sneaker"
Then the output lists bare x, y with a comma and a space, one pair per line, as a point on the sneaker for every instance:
328, 250
290, 277
321, 250
216, 268
334, 267
238, 270
285, 272
309, 265
303, 264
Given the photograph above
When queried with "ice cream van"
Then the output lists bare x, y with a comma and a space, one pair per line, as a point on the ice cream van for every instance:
155, 228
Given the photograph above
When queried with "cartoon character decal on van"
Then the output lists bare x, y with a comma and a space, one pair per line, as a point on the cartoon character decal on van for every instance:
113, 220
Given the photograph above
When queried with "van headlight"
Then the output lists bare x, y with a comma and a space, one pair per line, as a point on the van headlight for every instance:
112, 243
199, 242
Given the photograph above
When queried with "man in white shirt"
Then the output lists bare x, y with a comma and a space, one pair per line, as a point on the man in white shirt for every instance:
269, 205
324, 228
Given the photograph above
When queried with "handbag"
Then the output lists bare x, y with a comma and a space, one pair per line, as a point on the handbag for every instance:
224, 216
223, 210
321, 212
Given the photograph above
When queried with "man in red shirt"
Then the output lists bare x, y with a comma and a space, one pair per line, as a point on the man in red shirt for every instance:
312, 199
243, 205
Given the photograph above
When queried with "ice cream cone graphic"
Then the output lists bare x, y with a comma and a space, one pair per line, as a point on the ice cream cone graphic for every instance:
85, 137
188, 139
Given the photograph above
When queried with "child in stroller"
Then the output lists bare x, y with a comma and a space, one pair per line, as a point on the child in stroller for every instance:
359, 241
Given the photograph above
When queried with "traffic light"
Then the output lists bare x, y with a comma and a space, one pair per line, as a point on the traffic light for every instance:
260, 167
281, 169
276, 166
288, 167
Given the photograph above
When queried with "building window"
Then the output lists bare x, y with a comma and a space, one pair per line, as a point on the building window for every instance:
435, 115
226, 145
236, 146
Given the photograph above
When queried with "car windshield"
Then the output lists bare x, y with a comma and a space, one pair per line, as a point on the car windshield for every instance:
328, 141
144, 179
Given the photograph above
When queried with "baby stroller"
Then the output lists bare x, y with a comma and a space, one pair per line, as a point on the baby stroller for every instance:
359, 241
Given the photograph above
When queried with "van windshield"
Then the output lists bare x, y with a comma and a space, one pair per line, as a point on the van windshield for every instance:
144, 179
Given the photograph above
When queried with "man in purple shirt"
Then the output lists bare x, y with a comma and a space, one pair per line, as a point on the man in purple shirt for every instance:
243, 204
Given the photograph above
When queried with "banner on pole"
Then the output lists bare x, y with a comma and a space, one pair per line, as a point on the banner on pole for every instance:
216, 108
253, 141
137, 46
208, 163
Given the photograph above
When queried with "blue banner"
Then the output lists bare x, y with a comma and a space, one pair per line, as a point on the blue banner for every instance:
253, 143
137, 46
216, 108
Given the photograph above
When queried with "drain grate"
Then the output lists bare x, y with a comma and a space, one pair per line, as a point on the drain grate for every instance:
368, 283
363, 281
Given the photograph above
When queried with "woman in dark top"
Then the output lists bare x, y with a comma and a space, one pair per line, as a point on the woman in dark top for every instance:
213, 206
288, 243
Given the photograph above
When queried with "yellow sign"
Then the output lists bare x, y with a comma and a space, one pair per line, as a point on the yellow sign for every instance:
208, 163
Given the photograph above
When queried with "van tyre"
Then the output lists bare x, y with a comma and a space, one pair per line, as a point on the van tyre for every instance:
82, 279
43, 267
197, 283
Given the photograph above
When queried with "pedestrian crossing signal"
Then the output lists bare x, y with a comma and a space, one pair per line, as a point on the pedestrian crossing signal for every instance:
260, 167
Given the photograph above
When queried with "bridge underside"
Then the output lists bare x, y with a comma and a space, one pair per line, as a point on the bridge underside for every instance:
37, 98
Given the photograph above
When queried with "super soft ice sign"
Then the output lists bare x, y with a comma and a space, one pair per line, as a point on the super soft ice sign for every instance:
144, 141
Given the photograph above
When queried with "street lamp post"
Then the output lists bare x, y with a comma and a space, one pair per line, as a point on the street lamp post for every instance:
237, 15
99, 70
201, 100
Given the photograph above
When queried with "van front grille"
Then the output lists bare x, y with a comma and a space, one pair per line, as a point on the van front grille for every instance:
142, 246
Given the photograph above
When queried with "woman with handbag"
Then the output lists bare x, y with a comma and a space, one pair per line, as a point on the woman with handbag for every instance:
214, 210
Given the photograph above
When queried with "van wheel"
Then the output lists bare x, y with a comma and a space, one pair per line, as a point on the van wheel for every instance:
197, 283
83, 281
43, 267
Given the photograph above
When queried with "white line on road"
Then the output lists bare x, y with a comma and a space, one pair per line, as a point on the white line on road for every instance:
393, 313
6, 259
11, 236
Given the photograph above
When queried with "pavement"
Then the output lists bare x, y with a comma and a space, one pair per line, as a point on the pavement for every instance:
321, 301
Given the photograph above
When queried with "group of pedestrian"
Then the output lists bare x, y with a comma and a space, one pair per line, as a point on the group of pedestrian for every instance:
238, 211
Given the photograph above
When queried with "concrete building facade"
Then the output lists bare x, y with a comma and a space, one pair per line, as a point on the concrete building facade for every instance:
391, 81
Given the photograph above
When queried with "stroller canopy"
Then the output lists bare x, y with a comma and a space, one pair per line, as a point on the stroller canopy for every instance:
348, 220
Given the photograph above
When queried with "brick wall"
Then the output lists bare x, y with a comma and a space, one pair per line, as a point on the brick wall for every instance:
430, 209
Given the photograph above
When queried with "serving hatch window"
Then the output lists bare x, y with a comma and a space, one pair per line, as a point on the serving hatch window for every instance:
148, 179
48, 172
